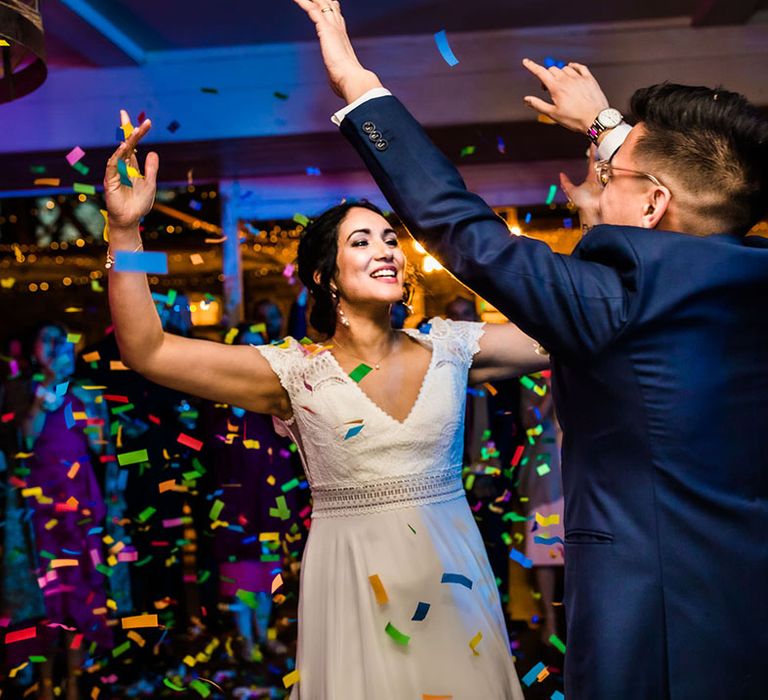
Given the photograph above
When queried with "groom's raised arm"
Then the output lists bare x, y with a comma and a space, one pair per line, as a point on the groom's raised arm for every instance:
569, 305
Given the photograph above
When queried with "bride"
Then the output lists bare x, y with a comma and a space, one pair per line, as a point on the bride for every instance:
397, 596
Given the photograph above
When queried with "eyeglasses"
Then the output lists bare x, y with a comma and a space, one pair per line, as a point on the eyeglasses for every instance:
605, 171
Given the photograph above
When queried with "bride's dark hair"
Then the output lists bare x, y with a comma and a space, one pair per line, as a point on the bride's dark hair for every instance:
318, 249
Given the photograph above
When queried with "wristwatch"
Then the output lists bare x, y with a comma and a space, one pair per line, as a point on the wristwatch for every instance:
607, 119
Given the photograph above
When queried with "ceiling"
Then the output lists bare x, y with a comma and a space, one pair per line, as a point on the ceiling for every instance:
162, 25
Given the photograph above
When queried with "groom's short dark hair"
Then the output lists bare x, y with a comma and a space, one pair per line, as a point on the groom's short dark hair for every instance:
714, 143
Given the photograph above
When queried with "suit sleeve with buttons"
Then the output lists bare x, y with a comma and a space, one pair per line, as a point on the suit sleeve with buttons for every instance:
571, 306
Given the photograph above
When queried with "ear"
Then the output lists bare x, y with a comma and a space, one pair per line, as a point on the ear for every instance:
316, 277
655, 206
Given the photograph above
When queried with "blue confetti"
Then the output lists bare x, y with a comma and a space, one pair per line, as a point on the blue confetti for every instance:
69, 418
568, 223
521, 559
425, 328
194, 204
313, 171
530, 677
153, 263
457, 578
557, 695
354, 430
501, 147
61, 389
538, 539
122, 169
441, 39
421, 612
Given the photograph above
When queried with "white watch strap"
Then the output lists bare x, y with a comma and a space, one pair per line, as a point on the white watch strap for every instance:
612, 140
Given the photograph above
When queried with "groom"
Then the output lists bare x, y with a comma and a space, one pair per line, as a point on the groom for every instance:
658, 333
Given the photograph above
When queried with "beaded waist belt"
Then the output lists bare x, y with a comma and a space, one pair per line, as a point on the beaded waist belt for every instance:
400, 492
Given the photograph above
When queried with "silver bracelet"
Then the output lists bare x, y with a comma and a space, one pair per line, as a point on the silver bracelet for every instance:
110, 261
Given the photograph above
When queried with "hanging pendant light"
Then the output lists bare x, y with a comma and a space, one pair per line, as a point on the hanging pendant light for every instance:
22, 45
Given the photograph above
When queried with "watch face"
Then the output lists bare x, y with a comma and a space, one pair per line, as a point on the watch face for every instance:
610, 118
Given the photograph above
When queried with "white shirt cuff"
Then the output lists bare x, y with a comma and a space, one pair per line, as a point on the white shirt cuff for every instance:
612, 140
371, 94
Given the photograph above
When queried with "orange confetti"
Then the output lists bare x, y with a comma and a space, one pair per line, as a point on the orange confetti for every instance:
378, 589
139, 621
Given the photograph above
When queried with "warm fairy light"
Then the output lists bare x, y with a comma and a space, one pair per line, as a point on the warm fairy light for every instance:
50, 204
79, 242
429, 264
169, 228
419, 248
66, 281
81, 198
33, 287
44, 286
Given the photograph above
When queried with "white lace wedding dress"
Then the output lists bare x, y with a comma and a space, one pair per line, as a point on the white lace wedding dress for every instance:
389, 503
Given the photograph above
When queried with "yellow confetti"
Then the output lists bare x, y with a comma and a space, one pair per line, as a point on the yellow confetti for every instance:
52, 523
32, 491
230, 336
271, 480
3, 42
291, 678
269, 537
378, 589
474, 642
127, 129
196, 259
7, 282
251, 444
553, 519
111, 604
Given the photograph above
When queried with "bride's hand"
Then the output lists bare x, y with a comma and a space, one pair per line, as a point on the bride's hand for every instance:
126, 205
349, 80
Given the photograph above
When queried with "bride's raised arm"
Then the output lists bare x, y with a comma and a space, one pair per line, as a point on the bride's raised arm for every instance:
237, 375
505, 351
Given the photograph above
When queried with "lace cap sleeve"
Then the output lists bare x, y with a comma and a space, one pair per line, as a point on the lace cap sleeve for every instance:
462, 338
285, 359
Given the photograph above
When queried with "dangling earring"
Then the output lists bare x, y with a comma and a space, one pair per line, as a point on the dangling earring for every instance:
406, 299
342, 316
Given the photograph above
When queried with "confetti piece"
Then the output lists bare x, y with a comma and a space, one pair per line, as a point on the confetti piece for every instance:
139, 621
354, 430
551, 195
61, 563
83, 189
146, 514
280, 95
216, 509
269, 537
531, 676
553, 519
538, 539
313, 171
467, 151
209, 90
82, 168
173, 127
557, 695
556, 642
3, 42
301, 219
276, 583
291, 678
397, 635
282, 511
474, 642
21, 635
92, 356
457, 578
520, 558
77, 640
229, 338
378, 589
164, 486
48, 181
190, 442
69, 418
134, 457
75, 155
441, 39
194, 204
362, 370
501, 147
170, 684
543, 469
196, 259
153, 263
411, 527
288, 485
421, 612
122, 169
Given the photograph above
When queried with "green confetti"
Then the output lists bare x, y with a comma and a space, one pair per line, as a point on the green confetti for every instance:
289, 485
170, 684
543, 469
132, 457
46, 554
551, 195
122, 409
146, 514
282, 511
125, 646
200, 688
412, 530
467, 151
83, 189
216, 509
81, 168
554, 640
359, 372
397, 635
38, 659
248, 597
144, 561
301, 219
514, 517
102, 569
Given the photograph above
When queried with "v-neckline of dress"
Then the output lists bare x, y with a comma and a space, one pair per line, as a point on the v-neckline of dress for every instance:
399, 423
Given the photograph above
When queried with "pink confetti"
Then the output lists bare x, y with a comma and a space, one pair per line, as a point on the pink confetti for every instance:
75, 155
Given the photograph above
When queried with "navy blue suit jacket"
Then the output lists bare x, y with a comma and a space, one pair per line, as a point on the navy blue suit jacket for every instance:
659, 345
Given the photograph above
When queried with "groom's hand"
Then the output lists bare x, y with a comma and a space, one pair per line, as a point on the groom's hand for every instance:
349, 80
576, 96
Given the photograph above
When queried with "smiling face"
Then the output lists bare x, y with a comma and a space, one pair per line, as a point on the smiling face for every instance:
370, 263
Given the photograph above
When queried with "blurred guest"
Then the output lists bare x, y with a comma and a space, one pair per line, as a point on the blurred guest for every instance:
541, 484
68, 507
251, 465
